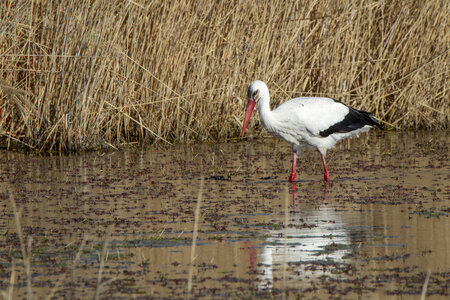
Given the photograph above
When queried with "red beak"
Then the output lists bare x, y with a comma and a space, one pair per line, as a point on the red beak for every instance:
248, 113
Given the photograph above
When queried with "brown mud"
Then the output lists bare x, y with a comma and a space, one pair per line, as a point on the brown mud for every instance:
120, 225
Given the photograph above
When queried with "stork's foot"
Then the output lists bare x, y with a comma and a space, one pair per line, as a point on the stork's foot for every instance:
292, 177
326, 177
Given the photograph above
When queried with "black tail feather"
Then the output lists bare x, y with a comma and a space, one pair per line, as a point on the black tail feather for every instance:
354, 120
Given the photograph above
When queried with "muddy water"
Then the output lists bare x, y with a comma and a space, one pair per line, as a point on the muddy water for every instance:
121, 224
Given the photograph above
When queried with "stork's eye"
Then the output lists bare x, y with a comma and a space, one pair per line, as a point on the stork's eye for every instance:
255, 93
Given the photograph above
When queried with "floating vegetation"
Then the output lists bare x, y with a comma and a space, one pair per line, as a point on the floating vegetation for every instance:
431, 212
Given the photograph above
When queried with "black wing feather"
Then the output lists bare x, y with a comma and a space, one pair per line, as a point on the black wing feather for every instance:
355, 119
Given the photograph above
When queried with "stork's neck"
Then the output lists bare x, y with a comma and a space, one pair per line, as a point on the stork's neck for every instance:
265, 114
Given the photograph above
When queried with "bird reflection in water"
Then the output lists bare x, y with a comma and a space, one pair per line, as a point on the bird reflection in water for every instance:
306, 232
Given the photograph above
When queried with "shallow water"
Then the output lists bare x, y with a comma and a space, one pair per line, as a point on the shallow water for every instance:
121, 224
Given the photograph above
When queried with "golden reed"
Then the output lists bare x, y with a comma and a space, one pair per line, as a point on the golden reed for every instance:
86, 74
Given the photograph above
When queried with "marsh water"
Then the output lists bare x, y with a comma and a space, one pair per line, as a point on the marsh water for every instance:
221, 220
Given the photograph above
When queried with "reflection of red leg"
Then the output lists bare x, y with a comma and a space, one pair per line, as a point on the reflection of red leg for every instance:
325, 192
294, 193
325, 176
294, 166
251, 254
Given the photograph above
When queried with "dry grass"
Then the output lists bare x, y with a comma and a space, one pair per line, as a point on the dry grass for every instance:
86, 74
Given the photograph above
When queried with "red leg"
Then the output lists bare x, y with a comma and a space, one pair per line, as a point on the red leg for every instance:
325, 176
294, 166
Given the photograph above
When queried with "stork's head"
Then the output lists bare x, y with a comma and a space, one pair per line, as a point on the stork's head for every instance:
254, 92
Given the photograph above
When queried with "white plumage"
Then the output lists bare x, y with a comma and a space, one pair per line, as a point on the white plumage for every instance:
307, 122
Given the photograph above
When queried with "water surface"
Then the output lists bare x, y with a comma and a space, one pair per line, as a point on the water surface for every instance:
121, 224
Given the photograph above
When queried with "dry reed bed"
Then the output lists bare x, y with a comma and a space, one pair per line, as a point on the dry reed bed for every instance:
85, 74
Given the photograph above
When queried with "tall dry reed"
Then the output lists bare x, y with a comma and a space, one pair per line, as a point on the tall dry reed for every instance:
84, 74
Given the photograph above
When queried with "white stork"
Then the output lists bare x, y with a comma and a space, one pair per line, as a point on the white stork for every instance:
307, 122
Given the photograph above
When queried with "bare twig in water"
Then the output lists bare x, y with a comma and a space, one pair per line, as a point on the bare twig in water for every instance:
25, 250
194, 238
425, 285
74, 262
8, 295
100, 270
